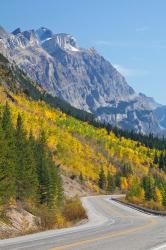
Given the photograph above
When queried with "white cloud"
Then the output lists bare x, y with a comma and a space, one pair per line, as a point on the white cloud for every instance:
130, 72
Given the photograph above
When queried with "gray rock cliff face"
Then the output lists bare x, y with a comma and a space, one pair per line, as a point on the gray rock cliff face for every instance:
80, 76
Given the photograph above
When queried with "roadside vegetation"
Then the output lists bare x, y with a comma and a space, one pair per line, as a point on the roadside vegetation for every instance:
29, 177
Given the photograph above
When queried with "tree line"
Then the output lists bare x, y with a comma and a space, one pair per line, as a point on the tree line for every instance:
150, 141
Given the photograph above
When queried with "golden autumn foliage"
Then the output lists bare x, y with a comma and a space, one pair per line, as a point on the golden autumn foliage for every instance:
82, 148
123, 184
158, 196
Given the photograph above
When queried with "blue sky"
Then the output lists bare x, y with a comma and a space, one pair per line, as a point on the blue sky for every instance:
131, 34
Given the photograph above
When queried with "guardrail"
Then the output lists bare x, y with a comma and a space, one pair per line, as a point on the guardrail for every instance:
142, 209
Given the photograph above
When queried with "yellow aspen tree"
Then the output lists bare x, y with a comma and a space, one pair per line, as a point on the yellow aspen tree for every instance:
123, 183
158, 196
141, 195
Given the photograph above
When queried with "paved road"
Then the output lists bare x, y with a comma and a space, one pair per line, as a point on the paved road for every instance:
111, 226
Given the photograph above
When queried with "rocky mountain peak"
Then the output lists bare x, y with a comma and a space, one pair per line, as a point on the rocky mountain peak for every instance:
62, 40
66, 41
16, 31
30, 37
81, 77
44, 34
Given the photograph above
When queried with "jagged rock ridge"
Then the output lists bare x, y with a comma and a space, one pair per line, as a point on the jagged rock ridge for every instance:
80, 76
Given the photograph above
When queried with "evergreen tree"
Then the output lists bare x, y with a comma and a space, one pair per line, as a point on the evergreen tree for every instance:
117, 179
149, 186
102, 179
7, 167
26, 176
7, 157
161, 161
60, 187
7, 122
81, 178
27, 171
42, 170
126, 170
155, 161
55, 191
50, 183
110, 183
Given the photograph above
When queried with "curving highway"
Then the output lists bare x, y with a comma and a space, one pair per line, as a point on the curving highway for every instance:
111, 226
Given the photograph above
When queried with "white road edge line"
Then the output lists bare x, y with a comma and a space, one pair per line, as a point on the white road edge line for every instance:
161, 247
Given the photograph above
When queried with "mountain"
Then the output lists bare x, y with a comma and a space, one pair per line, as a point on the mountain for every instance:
81, 77
15, 80
160, 113
89, 158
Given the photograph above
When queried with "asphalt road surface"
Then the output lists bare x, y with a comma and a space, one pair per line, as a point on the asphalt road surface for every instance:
111, 226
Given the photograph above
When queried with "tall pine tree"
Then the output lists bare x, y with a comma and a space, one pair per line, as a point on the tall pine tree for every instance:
7, 157
102, 179
26, 174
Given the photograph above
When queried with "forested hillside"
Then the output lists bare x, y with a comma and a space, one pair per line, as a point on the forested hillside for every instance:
30, 179
40, 141
92, 156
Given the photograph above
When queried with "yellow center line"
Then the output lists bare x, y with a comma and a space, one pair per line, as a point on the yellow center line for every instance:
151, 222
107, 236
